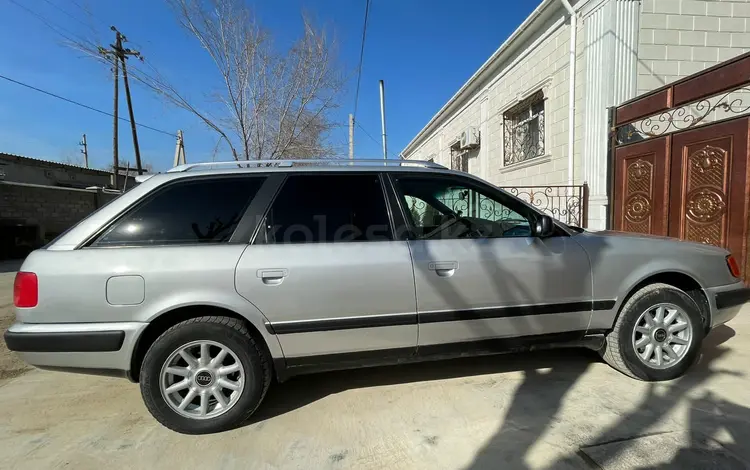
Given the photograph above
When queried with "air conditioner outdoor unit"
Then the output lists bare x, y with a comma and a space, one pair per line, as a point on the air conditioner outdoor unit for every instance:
469, 138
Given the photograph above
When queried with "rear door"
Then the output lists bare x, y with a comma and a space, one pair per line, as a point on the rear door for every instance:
327, 273
480, 273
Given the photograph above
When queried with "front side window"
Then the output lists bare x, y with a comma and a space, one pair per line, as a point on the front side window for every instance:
440, 208
523, 130
328, 208
190, 212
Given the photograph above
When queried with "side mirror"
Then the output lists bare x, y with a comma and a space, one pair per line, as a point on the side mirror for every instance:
544, 227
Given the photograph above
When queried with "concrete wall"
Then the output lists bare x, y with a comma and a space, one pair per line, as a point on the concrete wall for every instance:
681, 37
540, 62
49, 210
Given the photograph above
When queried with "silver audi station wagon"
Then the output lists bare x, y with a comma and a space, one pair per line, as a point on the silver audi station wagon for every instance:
206, 283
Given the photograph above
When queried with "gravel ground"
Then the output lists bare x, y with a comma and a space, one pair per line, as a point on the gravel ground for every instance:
551, 410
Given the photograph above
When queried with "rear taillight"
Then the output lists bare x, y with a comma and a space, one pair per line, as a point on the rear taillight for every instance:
25, 290
734, 268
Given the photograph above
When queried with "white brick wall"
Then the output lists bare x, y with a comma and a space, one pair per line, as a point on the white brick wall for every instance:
677, 38
681, 37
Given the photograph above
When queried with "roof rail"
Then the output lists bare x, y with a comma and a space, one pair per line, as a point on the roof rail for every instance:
304, 162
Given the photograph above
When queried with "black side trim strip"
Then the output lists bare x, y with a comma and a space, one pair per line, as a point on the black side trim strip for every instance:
307, 326
732, 298
515, 311
89, 341
597, 305
333, 324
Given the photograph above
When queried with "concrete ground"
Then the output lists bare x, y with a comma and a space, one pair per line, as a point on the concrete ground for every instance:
559, 409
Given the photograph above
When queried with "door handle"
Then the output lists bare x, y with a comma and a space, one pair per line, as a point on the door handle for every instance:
272, 277
443, 268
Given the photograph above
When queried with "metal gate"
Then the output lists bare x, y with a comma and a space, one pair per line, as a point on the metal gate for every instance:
679, 165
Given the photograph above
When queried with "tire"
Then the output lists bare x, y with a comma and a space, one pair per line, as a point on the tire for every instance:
620, 349
249, 379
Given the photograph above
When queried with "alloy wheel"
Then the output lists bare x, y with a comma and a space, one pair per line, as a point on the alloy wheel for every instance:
202, 379
662, 335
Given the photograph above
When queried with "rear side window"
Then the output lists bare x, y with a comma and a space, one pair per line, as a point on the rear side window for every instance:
190, 212
328, 208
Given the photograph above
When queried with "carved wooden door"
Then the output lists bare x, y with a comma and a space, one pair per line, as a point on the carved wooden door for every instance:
709, 198
642, 187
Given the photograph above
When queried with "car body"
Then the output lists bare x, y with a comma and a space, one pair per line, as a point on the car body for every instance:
328, 265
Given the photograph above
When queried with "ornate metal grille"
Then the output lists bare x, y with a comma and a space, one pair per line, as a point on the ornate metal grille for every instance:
468, 203
459, 160
698, 113
523, 130
566, 203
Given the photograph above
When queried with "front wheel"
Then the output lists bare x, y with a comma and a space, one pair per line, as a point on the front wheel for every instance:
204, 375
657, 335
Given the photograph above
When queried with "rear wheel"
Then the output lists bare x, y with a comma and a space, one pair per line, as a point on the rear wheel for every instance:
204, 375
657, 335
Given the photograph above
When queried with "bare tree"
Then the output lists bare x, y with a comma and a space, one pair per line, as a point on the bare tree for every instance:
276, 104
268, 103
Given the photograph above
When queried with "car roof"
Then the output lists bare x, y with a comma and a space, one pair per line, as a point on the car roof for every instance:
193, 170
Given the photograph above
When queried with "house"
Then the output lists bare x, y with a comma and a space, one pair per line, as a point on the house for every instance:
535, 114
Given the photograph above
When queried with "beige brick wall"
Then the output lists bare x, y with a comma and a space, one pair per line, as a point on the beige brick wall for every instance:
547, 63
681, 37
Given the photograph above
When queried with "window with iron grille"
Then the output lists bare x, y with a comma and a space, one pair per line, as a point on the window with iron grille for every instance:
523, 130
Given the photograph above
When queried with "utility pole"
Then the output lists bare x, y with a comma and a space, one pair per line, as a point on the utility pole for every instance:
179, 151
351, 136
84, 151
120, 54
382, 118
138, 164
116, 132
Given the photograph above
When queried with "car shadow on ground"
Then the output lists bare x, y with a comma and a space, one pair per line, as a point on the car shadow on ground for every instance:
305, 389
537, 401
566, 365
634, 437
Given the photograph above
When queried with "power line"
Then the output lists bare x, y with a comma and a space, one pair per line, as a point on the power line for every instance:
83, 105
367, 133
56, 28
66, 13
87, 11
361, 57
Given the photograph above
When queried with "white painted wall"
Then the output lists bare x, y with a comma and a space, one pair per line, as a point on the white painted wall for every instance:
681, 37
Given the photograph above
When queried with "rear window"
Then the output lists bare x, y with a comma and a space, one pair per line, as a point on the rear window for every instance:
189, 212
329, 208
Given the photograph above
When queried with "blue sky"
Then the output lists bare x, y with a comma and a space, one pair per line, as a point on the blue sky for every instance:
424, 50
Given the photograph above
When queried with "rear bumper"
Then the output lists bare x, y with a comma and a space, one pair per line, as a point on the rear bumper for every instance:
96, 348
726, 302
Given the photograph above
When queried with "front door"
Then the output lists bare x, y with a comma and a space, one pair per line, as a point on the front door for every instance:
327, 273
480, 273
